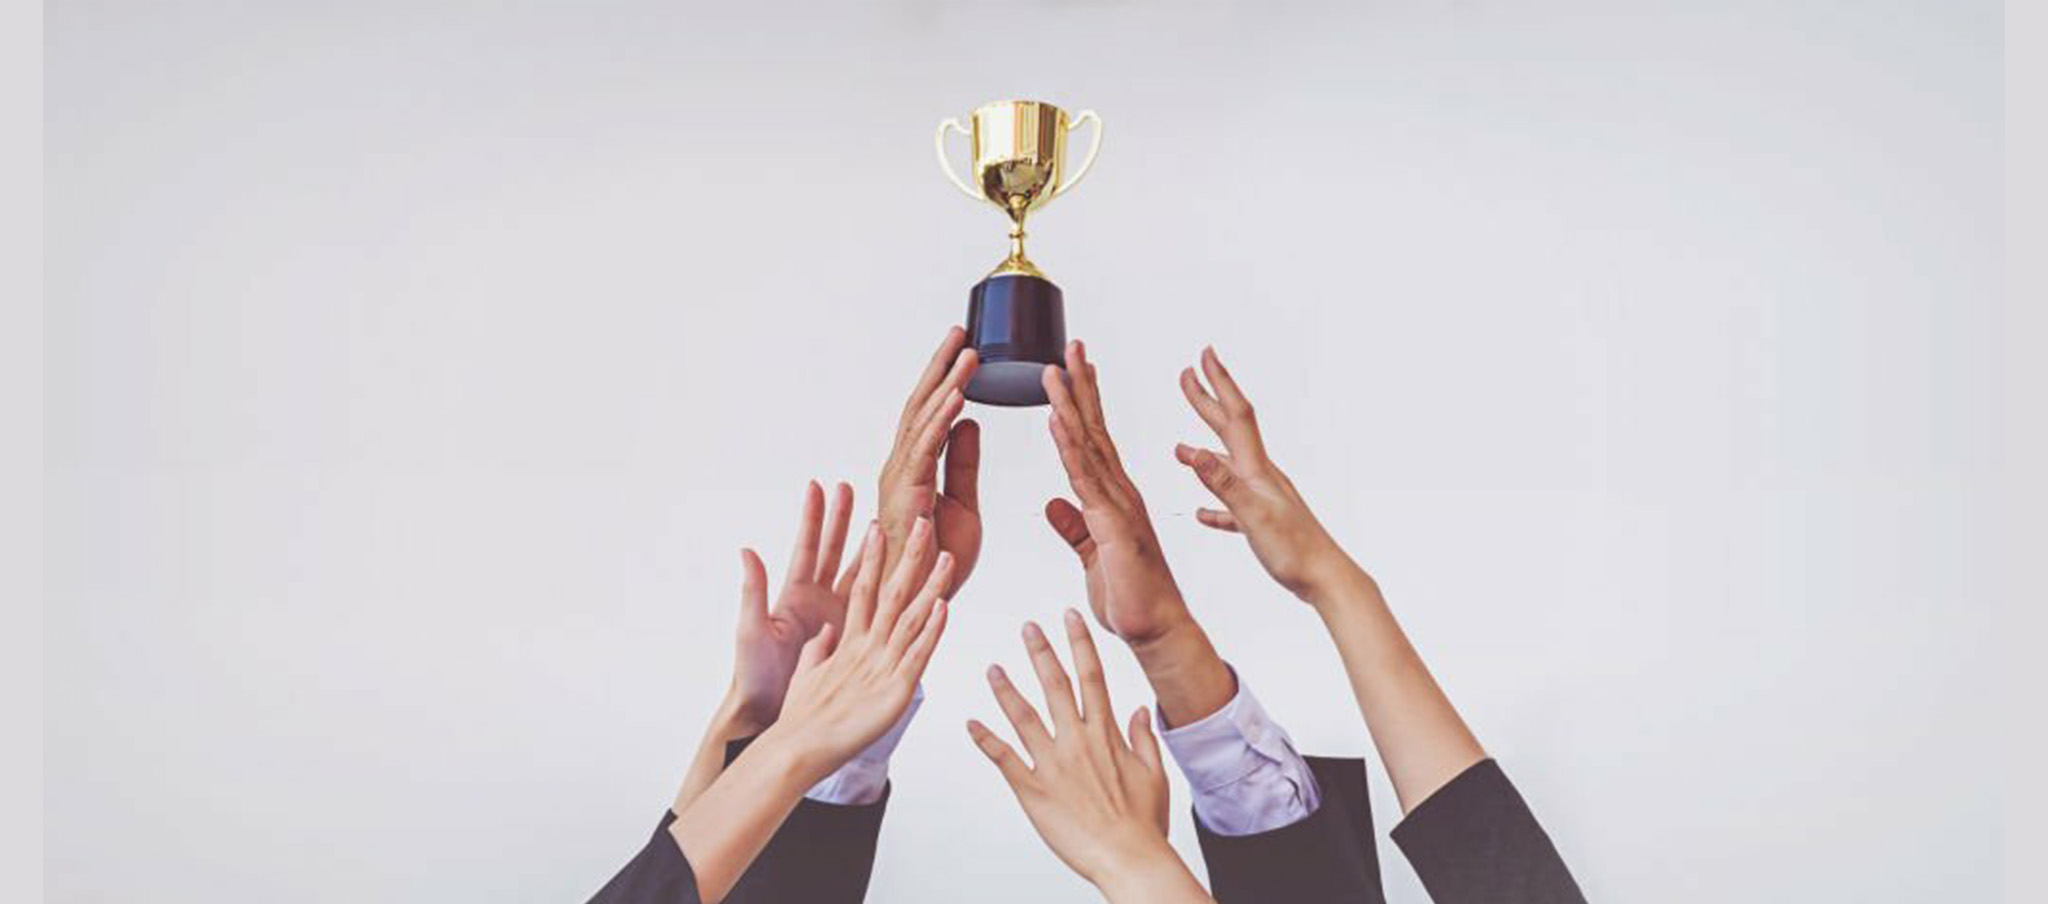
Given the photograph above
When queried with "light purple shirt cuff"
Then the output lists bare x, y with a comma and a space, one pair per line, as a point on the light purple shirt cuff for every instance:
861, 779
1243, 769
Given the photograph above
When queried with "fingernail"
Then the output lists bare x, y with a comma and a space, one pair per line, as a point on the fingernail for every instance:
1074, 620
995, 674
1033, 634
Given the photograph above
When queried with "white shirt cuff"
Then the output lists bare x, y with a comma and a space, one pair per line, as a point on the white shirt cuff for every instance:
860, 780
1246, 776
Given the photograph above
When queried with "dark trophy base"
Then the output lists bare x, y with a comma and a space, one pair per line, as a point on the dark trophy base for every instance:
1018, 325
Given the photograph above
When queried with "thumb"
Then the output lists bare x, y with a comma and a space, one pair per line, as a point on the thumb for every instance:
818, 648
753, 588
1143, 742
1214, 471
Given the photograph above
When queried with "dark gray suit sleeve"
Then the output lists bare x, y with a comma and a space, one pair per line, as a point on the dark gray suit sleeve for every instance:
822, 853
1327, 856
1476, 841
659, 873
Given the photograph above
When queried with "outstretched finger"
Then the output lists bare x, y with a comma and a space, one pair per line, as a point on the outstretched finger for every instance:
860, 604
1088, 671
1087, 391
844, 585
954, 380
1214, 471
934, 371
1218, 519
911, 669
999, 752
923, 457
1205, 405
1243, 438
1082, 472
1143, 742
963, 465
1072, 526
920, 550
833, 546
1031, 732
753, 589
803, 560
818, 649
1052, 679
913, 618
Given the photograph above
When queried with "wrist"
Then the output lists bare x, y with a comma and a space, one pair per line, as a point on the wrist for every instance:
740, 718
1188, 676
1151, 873
1336, 581
794, 753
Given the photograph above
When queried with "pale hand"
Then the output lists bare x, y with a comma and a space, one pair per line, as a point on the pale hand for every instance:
1262, 504
1097, 797
853, 681
770, 639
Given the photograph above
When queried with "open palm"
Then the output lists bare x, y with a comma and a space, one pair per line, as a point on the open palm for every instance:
770, 639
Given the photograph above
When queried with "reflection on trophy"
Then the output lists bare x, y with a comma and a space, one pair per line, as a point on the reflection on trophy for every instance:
1015, 319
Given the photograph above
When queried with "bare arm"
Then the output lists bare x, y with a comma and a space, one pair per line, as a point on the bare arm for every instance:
1419, 735
727, 725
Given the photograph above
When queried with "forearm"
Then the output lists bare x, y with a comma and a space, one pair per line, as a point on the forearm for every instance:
726, 827
1419, 735
728, 724
1187, 675
1158, 877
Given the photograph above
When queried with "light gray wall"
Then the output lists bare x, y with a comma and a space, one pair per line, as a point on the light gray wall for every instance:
414, 369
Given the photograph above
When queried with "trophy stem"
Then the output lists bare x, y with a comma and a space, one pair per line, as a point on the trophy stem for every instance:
1017, 263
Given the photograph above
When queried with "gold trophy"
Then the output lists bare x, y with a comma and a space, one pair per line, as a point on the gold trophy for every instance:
1015, 316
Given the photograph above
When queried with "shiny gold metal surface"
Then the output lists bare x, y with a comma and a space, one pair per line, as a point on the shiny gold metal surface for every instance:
1020, 162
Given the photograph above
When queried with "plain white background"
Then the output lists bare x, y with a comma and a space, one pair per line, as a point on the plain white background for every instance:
412, 372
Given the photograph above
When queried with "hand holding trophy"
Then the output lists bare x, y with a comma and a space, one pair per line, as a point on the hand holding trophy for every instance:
1015, 316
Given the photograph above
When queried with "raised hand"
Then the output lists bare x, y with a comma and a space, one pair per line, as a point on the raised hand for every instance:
1096, 796
1260, 502
909, 485
1130, 587
769, 639
854, 680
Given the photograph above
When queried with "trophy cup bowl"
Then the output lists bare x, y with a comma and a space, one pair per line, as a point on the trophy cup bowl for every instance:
1016, 317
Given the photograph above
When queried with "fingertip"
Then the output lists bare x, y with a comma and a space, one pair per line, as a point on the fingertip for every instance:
1074, 622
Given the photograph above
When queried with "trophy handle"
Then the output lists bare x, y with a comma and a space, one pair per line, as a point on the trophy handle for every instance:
946, 163
1094, 147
